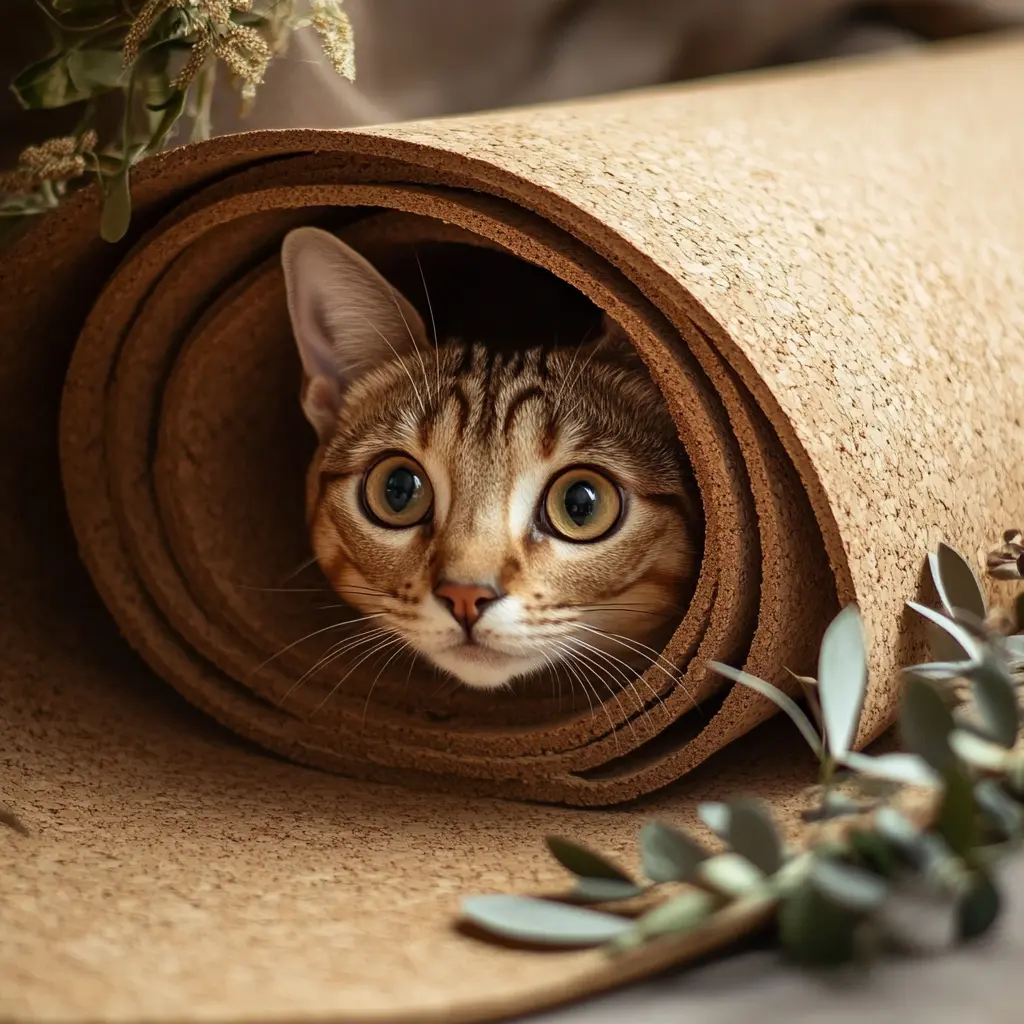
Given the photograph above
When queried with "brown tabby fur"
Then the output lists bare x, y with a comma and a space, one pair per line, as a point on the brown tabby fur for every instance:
491, 429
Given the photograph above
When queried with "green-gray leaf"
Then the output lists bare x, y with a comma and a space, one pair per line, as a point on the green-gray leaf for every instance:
541, 921
669, 855
965, 643
780, 699
943, 647
956, 817
117, 208
999, 805
752, 835
68, 78
842, 679
1014, 646
731, 874
926, 724
941, 671
583, 861
957, 583
847, 886
977, 752
898, 830
979, 909
603, 890
683, 913
716, 817
996, 700
813, 930
896, 767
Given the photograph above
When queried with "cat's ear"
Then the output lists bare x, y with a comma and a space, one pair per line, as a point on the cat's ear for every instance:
612, 340
346, 319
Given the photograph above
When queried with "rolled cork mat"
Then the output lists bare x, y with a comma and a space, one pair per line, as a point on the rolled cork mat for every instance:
823, 269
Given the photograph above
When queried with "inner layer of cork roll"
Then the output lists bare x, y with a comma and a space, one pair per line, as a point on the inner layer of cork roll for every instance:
182, 403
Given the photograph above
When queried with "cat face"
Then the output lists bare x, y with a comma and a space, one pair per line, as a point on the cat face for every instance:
500, 513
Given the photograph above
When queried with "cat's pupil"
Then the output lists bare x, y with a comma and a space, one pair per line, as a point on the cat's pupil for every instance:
581, 502
401, 488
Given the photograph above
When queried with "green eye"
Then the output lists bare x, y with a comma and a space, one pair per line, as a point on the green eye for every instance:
582, 505
397, 492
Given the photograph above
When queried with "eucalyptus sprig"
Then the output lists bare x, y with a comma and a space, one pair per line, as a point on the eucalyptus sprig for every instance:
878, 879
160, 57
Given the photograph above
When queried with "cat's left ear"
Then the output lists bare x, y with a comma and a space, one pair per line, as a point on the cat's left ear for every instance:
612, 340
346, 319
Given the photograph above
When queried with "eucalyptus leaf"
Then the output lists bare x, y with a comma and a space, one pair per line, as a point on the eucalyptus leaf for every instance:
966, 643
926, 724
943, 647
898, 830
940, 671
716, 817
842, 679
541, 921
849, 887
813, 930
67, 78
809, 688
1000, 806
873, 850
780, 699
896, 767
978, 752
669, 855
1014, 646
956, 582
117, 208
996, 700
583, 861
979, 909
603, 890
752, 835
683, 913
731, 874
956, 821
834, 805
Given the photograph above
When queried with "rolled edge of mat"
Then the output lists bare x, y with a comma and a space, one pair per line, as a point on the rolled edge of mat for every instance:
589, 769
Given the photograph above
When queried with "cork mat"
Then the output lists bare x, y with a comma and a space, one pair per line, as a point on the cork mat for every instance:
822, 268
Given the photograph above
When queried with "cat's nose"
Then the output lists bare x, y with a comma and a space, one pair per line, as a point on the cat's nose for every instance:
466, 601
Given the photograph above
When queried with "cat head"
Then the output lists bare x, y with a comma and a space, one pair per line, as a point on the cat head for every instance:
501, 513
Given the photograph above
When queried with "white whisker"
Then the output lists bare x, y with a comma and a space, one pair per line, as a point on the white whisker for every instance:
415, 389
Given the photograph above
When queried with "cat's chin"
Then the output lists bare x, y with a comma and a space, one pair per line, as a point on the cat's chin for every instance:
483, 668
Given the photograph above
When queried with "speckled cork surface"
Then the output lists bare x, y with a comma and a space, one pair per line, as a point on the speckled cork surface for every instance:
823, 268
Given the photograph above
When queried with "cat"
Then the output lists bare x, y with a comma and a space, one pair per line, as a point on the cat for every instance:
500, 513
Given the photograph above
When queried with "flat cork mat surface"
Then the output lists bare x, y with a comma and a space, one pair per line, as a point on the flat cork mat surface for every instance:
823, 269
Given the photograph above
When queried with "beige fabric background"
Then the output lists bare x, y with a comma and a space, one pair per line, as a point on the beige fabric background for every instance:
424, 58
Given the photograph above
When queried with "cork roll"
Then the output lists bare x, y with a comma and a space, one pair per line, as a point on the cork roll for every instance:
825, 282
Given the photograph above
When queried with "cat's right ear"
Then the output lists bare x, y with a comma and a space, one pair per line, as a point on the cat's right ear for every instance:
346, 319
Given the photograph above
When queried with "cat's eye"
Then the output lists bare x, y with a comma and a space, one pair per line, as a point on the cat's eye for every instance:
397, 492
582, 505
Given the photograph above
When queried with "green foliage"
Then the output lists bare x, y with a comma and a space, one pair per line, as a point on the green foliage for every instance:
157, 58
863, 889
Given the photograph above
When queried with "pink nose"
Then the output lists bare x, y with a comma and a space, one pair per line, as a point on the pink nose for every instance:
466, 601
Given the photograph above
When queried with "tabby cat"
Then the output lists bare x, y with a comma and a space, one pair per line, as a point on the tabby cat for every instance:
499, 513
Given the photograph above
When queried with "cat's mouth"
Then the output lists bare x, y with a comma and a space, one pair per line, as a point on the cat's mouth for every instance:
473, 651
482, 666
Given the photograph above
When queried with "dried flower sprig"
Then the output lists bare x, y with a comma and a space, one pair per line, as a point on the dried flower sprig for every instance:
54, 162
876, 877
161, 57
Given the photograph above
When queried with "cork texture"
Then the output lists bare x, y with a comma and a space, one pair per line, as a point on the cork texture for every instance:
823, 269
